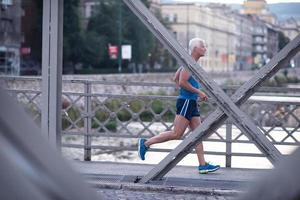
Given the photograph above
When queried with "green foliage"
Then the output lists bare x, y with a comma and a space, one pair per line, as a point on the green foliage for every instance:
281, 79
146, 116
124, 115
73, 39
113, 104
168, 117
157, 106
72, 114
86, 41
105, 24
112, 126
103, 117
135, 105
32, 110
89, 46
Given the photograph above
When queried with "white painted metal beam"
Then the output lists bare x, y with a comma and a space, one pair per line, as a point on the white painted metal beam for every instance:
52, 70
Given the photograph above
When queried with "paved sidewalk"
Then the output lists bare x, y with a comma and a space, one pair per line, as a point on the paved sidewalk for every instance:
117, 181
143, 195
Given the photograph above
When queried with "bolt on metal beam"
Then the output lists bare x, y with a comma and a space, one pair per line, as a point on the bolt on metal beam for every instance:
241, 120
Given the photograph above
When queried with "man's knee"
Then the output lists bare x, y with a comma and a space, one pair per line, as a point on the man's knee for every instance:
176, 135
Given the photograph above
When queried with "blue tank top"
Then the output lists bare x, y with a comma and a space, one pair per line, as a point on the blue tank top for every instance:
185, 94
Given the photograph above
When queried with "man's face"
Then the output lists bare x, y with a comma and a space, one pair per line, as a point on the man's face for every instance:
201, 49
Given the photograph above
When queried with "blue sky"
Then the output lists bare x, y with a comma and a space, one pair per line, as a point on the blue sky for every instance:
237, 1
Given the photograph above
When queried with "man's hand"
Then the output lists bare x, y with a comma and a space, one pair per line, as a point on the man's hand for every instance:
203, 96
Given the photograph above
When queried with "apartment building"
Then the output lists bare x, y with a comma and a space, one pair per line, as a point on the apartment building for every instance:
260, 39
215, 26
291, 29
244, 48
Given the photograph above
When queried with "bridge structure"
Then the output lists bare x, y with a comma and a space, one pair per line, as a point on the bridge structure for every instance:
227, 107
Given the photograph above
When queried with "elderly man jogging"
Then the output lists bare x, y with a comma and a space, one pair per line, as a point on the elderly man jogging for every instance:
187, 113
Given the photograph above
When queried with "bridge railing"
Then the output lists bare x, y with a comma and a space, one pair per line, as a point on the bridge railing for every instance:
106, 117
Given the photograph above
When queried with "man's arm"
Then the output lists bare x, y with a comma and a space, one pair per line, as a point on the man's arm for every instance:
176, 76
183, 82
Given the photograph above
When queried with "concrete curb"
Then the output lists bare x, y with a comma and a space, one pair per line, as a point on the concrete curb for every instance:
160, 188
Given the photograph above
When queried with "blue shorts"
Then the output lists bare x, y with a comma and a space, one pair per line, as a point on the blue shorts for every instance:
187, 108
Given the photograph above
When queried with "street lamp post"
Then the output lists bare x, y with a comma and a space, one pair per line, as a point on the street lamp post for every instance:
187, 26
120, 38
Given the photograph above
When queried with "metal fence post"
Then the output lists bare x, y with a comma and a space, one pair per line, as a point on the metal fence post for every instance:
87, 121
228, 143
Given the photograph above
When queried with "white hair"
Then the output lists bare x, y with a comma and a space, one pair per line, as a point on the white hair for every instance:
195, 43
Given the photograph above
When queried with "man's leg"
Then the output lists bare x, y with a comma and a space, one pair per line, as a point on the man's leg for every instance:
203, 166
180, 124
195, 122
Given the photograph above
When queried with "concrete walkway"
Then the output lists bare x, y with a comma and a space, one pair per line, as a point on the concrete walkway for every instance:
180, 180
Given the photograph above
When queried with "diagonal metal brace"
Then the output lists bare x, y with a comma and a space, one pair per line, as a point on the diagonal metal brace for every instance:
224, 102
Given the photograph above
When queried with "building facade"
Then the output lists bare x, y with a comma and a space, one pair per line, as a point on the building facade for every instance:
244, 28
290, 28
155, 6
260, 40
88, 7
259, 8
215, 26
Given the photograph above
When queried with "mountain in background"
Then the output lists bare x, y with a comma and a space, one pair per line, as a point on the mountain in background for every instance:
282, 10
285, 10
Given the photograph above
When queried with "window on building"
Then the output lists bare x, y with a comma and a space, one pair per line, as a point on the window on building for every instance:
258, 48
265, 48
175, 34
175, 18
6, 2
167, 17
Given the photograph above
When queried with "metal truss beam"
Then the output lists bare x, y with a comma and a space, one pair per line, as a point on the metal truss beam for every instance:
52, 70
241, 120
31, 168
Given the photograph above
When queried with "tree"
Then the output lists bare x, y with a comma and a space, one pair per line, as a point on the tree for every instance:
105, 24
73, 43
138, 35
282, 40
102, 31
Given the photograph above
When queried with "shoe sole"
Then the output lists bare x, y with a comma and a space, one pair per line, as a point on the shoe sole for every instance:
203, 171
139, 149
208, 170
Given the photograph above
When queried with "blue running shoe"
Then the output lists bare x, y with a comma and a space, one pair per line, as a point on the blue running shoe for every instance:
142, 148
204, 169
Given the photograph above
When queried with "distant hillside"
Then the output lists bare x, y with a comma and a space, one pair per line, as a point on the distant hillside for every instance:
281, 10
285, 10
